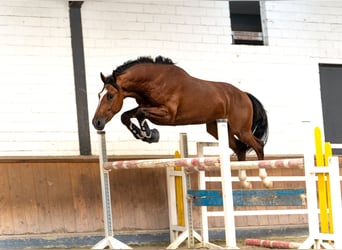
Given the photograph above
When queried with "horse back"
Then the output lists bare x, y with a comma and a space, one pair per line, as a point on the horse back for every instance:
201, 101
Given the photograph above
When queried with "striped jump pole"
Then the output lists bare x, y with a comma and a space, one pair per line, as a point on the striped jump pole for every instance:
272, 244
204, 164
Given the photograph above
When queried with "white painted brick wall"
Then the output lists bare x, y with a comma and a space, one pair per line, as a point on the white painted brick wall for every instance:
36, 75
37, 91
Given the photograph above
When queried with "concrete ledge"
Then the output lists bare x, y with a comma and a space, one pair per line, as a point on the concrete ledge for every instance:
138, 238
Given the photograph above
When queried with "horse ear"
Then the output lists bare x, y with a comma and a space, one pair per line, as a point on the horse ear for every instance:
114, 76
103, 78
114, 81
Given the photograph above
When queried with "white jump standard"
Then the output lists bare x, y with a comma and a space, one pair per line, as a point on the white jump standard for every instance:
223, 163
109, 240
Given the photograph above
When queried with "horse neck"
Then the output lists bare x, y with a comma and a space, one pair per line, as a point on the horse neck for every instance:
139, 77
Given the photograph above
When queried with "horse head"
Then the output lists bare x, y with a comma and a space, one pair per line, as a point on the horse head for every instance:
110, 101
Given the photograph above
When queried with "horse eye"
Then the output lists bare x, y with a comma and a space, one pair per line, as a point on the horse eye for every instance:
110, 97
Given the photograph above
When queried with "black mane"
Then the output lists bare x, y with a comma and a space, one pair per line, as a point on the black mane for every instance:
143, 59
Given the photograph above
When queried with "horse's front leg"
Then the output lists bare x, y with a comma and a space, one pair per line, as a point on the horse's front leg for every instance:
144, 132
150, 135
126, 120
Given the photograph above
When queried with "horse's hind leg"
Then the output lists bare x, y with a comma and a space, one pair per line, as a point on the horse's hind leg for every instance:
249, 139
233, 142
258, 147
239, 149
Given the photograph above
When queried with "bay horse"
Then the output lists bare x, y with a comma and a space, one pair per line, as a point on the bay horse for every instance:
168, 95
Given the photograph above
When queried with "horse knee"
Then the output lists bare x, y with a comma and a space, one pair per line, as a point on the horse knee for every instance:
141, 114
125, 119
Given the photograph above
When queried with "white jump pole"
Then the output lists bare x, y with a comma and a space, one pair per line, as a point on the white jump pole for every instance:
109, 240
227, 189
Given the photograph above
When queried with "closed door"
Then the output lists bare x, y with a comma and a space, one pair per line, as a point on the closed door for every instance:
331, 93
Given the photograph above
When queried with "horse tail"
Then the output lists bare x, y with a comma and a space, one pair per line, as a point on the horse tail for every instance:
260, 121
259, 124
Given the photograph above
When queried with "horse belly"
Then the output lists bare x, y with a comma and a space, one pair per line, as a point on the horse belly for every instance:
199, 111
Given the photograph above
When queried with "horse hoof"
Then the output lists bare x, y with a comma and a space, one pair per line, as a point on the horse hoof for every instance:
154, 136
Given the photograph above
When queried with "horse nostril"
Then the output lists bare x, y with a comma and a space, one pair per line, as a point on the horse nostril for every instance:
98, 124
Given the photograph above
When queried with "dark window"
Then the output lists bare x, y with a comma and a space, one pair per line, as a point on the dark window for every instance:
246, 22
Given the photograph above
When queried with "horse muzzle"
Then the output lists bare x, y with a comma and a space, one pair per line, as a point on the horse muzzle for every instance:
98, 123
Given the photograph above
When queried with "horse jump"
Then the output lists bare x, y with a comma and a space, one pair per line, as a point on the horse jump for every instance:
210, 163
167, 95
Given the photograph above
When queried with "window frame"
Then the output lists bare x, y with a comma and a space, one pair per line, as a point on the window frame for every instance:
244, 35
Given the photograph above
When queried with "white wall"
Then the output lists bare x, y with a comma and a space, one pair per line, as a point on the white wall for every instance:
38, 114
36, 77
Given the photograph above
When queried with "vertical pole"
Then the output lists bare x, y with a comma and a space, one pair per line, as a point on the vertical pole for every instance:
322, 187
171, 196
183, 144
105, 187
310, 182
204, 210
327, 155
227, 190
179, 194
336, 203
79, 76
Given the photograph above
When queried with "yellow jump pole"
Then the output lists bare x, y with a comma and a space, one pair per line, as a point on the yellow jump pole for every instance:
179, 195
322, 192
328, 153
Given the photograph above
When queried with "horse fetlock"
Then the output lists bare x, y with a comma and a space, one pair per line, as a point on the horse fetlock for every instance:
135, 131
137, 135
145, 129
